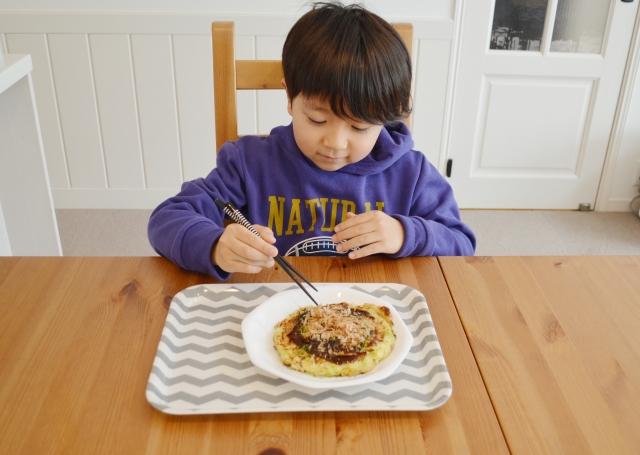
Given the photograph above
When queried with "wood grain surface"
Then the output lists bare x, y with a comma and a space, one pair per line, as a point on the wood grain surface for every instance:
78, 337
557, 340
224, 82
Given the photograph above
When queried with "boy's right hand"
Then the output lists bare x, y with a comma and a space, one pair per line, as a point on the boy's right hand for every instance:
239, 250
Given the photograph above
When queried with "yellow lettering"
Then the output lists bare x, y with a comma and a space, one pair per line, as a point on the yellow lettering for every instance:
347, 206
295, 218
334, 212
276, 214
379, 206
312, 204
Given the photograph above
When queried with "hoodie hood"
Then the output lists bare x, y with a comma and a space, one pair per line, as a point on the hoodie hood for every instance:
393, 142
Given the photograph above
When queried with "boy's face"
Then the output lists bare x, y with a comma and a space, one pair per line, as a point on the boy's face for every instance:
329, 141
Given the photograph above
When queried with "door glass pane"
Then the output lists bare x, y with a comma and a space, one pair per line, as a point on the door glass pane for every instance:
518, 24
580, 26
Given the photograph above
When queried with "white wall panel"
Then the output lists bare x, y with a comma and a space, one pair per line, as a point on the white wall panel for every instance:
272, 104
153, 69
246, 99
138, 116
430, 94
113, 72
194, 88
36, 45
73, 80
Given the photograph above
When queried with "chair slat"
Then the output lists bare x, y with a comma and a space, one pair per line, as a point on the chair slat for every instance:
406, 33
230, 75
259, 74
224, 82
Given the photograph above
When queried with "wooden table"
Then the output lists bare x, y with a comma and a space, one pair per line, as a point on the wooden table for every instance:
78, 337
557, 340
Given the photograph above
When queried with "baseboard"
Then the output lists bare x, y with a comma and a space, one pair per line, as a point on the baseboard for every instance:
88, 198
616, 205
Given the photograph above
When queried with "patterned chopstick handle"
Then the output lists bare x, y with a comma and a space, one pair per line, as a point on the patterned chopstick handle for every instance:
236, 216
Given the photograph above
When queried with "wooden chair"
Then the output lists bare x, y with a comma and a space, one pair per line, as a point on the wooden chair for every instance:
230, 75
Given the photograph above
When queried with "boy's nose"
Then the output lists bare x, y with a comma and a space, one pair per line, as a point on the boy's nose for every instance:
335, 140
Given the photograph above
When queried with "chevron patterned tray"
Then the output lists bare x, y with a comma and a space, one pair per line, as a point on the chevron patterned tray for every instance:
201, 366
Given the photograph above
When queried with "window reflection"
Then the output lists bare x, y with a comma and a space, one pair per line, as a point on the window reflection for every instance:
518, 24
580, 26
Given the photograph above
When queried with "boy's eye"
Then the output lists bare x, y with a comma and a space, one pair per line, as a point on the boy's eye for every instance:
360, 130
316, 122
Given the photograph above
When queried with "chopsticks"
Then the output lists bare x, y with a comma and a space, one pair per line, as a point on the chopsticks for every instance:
239, 218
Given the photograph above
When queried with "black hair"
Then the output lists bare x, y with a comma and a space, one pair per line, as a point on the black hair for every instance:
351, 58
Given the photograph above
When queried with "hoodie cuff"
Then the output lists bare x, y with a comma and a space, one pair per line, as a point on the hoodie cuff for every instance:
196, 247
409, 237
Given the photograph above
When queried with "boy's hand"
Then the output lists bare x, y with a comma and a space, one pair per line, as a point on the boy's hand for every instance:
239, 250
374, 232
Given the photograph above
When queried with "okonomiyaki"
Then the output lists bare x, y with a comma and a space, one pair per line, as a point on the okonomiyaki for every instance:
340, 339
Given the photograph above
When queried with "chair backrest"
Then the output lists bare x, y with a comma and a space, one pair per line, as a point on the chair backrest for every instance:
230, 75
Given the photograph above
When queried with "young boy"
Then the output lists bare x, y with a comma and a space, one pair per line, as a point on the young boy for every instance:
342, 178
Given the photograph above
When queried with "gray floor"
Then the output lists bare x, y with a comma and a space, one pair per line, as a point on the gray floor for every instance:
499, 232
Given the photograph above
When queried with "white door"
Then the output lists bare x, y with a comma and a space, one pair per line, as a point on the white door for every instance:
534, 100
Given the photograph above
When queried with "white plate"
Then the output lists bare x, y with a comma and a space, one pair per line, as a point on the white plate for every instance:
258, 329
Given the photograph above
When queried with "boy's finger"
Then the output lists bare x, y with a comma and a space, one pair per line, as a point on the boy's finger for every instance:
248, 238
260, 244
353, 232
364, 251
353, 220
265, 233
358, 241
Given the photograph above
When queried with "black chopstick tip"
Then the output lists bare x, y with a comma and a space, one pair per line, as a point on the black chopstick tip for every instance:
220, 204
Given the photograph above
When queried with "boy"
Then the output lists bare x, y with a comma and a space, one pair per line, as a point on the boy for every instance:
342, 178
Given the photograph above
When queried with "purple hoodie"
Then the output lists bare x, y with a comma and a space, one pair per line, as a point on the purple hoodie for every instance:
273, 184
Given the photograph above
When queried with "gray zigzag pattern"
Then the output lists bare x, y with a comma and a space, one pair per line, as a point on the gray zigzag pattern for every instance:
241, 381
389, 292
409, 306
419, 347
417, 314
212, 309
204, 321
202, 334
237, 293
242, 365
403, 306
185, 378
428, 355
201, 349
421, 327
420, 380
241, 350
300, 395
224, 361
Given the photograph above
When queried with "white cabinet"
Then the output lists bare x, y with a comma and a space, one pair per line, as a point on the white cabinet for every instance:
27, 218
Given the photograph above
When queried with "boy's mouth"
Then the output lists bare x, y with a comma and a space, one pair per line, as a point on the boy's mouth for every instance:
331, 159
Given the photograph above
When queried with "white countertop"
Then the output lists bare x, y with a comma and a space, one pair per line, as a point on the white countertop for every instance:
16, 67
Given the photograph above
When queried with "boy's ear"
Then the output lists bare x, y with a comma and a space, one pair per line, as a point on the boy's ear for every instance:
284, 85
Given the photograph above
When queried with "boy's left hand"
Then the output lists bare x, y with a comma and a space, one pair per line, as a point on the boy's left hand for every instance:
373, 232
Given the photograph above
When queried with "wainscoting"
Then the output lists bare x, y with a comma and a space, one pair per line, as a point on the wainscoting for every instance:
125, 100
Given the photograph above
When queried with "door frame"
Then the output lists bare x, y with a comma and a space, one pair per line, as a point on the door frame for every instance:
619, 122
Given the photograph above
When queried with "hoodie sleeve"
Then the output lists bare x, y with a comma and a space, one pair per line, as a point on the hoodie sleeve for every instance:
184, 228
433, 226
